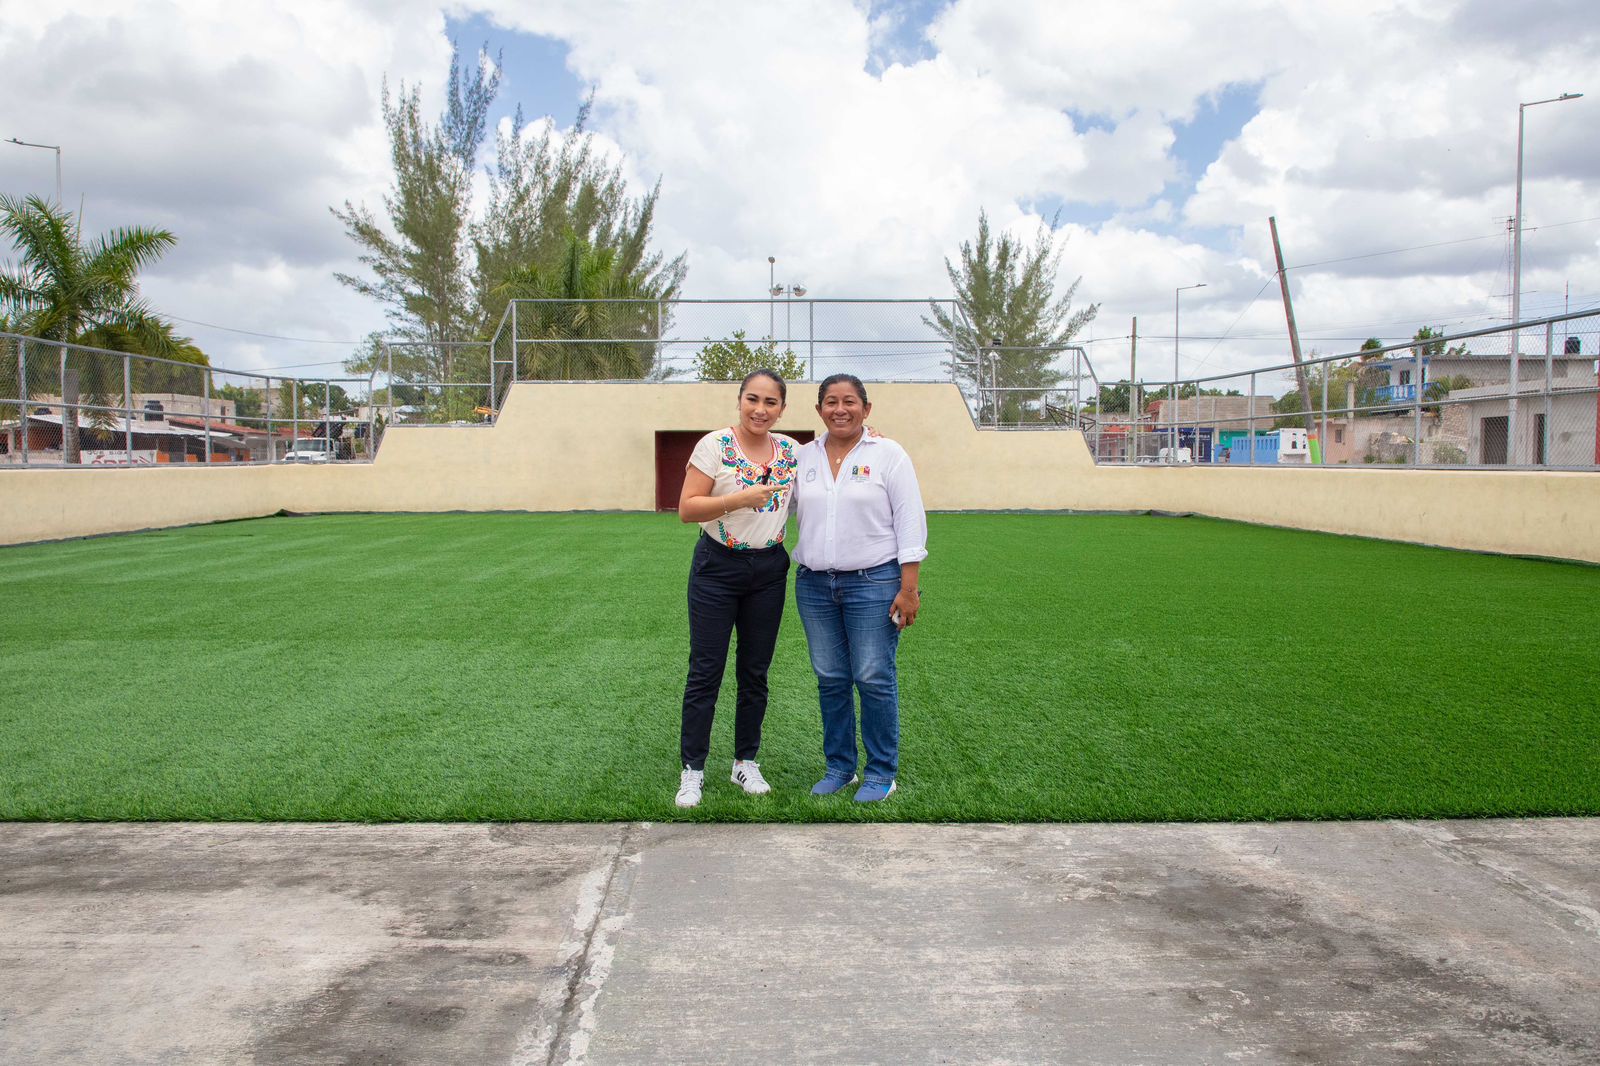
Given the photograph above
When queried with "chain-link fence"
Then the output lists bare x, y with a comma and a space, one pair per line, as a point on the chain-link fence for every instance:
66, 405
433, 383
1028, 387
465, 383
1503, 397
682, 340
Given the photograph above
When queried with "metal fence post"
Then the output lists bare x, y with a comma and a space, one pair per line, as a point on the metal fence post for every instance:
515, 360
327, 420
1323, 451
1416, 412
1133, 419
372, 413
1194, 438
1549, 381
70, 445
207, 409
266, 421
1251, 427
811, 342
22, 393
1511, 402
127, 403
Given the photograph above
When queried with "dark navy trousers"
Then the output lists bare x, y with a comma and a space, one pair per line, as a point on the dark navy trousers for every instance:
730, 591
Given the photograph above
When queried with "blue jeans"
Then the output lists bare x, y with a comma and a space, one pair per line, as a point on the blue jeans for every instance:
853, 643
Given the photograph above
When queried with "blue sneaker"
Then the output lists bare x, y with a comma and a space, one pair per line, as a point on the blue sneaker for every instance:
873, 791
831, 784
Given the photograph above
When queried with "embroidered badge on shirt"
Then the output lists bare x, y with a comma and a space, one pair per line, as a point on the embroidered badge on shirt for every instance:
811, 475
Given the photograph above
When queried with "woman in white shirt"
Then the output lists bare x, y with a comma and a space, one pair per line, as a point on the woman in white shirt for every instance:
737, 488
863, 536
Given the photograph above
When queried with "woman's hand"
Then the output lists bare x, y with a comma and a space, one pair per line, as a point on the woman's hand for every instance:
755, 497
906, 603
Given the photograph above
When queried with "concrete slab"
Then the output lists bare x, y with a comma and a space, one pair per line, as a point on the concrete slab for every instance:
1329, 942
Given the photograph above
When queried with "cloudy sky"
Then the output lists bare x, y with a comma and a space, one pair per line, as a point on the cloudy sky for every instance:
856, 143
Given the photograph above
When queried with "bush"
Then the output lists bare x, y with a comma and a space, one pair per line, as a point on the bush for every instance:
732, 360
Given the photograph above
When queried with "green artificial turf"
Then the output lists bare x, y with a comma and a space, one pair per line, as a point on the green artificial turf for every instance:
459, 667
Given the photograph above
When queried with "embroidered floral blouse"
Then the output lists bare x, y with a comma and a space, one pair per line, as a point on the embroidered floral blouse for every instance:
719, 457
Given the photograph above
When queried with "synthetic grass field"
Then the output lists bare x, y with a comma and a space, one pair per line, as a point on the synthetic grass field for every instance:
458, 667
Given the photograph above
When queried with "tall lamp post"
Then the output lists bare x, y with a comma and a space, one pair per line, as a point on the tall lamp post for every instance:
772, 283
1175, 335
56, 148
1516, 281
789, 293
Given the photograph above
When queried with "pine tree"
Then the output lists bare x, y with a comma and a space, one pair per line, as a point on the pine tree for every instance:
1005, 295
421, 270
545, 190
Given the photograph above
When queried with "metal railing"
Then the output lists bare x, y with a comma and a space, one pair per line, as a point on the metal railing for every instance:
463, 383
72, 406
1484, 398
1471, 399
1064, 394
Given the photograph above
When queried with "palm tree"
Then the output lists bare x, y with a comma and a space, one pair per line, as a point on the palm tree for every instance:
602, 324
62, 290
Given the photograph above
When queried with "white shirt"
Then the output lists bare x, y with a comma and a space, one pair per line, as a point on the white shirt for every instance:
872, 514
719, 457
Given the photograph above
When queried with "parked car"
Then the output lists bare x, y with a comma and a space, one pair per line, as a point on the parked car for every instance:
309, 450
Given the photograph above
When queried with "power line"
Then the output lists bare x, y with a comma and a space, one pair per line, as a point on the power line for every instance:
266, 336
1235, 322
1439, 244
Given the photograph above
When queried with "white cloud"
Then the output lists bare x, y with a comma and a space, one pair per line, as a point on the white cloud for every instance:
817, 135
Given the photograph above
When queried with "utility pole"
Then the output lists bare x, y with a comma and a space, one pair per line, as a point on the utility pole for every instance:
1294, 348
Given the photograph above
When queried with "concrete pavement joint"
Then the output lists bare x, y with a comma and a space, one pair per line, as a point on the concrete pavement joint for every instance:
601, 915
1585, 918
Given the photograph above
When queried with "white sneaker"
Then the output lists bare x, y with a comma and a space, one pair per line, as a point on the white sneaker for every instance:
691, 783
747, 775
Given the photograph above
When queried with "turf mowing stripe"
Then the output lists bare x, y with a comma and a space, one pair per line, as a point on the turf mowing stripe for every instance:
514, 666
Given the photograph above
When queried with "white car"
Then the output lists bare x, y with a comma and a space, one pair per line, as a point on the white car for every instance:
309, 450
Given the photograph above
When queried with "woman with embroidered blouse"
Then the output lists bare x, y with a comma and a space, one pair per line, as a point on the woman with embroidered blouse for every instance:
737, 489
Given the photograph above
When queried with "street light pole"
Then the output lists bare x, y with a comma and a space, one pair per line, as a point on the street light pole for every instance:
772, 283
1176, 333
56, 148
1516, 280
788, 292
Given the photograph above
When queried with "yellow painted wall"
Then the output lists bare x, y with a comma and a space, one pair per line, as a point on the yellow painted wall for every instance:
561, 447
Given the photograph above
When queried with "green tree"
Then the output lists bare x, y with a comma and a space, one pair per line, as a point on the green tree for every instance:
444, 277
1429, 344
248, 404
575, 333
337, 400
64, 290
544, 190
1439, 388
1005, 290
160, 340
421, 271
731, 360
1113, 399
